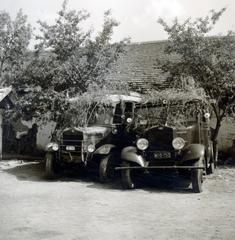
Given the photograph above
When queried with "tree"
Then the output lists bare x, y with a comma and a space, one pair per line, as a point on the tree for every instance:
67, 62
15, 37
209, 61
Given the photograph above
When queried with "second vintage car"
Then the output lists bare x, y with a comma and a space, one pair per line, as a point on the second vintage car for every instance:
167, 138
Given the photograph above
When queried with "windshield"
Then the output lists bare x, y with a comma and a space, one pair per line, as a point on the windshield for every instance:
151, 115
100, 115
176, 114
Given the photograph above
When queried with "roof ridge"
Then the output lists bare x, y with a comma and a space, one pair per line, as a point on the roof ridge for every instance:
148, 42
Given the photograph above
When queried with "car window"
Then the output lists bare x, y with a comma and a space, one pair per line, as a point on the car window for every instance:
118, 114
100, 115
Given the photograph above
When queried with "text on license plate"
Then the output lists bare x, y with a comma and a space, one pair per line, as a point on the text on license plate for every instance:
70, 148
162, 154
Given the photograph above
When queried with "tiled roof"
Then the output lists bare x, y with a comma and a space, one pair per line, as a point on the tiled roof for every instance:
139, 67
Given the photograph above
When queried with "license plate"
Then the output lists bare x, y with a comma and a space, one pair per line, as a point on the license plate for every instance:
70, 148
162, 155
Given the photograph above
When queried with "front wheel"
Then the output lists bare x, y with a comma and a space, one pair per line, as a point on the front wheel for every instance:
50, 166
104, 169
127, 178
197, 179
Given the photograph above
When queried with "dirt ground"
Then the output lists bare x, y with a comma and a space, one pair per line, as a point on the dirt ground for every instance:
77, 208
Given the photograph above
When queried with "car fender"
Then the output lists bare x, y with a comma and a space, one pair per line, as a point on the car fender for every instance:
130, 154
104, 149
193, 151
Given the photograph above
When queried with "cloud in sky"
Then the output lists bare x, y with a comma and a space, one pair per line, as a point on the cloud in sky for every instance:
138, 18
159, 8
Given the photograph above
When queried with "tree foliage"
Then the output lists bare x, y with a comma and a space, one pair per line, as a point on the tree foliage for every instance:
208, 60
67, 62
15, 37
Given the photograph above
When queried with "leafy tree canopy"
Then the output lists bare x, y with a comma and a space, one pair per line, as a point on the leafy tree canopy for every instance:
66, 63
209, 61
15, 37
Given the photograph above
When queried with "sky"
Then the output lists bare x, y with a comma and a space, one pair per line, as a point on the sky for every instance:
137, 18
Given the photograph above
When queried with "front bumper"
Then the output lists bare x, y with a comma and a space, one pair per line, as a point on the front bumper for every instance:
160, 167
67, 156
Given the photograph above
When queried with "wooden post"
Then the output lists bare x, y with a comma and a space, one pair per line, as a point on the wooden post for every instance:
1, 112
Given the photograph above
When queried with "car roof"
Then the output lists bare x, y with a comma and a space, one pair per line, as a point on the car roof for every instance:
116, 98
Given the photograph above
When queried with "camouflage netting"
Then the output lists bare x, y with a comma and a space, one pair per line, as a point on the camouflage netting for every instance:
172, 107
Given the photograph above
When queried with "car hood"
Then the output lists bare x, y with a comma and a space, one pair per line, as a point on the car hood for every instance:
91, 130
96, 130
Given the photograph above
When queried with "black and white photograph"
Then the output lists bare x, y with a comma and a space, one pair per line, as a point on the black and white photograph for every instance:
117, 120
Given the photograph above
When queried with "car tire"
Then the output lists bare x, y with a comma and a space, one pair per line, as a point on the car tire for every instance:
127, 178
50, 166
215, 154
211, 168
197, 179
104, 169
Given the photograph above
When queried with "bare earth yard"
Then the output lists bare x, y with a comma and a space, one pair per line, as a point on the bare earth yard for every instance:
74, 208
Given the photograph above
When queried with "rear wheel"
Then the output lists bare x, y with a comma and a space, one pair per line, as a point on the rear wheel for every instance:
197, 178
127, 176
215, 153
210, 160
211, 168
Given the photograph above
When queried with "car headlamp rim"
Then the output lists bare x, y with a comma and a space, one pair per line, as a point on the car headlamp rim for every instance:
53, 146
129, 120
178, 143
91, 148
114, 130
207, 115
142, 144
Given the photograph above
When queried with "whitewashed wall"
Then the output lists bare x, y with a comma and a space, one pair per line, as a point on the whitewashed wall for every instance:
226, 135
44, 135
225, 138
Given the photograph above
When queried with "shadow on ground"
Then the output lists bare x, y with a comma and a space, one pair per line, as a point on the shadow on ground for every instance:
34, 171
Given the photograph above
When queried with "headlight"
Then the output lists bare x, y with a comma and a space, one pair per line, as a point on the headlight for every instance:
52, 146
55, 147
129, 120
164, 101
207, 115
114, 130
91, 148
142, 144
178, 143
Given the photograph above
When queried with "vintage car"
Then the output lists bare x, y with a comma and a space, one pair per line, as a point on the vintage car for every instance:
96, 144
179, 141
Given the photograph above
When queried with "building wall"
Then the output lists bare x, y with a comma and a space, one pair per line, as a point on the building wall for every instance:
44, 135
226, 135
44, 132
